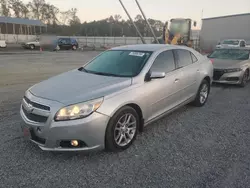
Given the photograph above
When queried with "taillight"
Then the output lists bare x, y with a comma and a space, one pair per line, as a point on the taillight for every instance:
212, 61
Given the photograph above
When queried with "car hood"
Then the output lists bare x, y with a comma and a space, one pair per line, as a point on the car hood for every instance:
226, 63
76, 86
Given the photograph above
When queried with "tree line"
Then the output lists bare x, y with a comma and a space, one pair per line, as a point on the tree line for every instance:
68, 23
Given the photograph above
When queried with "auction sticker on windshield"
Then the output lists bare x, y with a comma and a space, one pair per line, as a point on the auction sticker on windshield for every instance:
139, 54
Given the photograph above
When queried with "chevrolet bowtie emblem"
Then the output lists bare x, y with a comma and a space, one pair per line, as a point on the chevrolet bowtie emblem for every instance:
30, 108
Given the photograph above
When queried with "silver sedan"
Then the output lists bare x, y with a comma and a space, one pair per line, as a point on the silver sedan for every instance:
231, 65
105, 103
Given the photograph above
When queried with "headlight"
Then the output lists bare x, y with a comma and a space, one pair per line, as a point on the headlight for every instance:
77, 111
233, 70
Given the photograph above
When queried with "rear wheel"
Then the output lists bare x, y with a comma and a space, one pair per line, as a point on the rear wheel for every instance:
74, 47
122, 129
202, 95
245, 79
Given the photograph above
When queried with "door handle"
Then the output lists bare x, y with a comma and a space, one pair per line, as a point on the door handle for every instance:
198, 70
176, 80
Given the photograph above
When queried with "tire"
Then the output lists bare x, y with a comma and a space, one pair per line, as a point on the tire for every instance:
244, 79
202, 94
117, 135
32, 46
74, 47
57, 48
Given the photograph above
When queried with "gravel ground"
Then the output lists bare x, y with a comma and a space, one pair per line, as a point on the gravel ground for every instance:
192, 147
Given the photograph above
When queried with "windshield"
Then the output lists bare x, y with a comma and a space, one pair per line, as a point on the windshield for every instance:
181, 27
234, 54
118, 63
231, 42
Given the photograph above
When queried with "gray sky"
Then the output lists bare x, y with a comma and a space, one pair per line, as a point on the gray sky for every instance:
89, 10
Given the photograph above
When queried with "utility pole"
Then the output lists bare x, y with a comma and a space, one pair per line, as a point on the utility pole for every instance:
145, 18
136, 28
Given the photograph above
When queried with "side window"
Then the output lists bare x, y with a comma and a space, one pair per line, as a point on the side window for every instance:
68, 41
62, 41
194, 58
184, 58
164, 62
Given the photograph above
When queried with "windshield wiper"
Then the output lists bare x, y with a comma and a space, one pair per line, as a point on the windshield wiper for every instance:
82, 69
104, 74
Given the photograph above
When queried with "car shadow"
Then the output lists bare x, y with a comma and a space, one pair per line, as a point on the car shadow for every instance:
225, 86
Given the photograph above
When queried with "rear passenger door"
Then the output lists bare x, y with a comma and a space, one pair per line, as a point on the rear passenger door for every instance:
162, 93
189, 66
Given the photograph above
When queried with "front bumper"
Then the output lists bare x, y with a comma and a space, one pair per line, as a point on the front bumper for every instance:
228, 78
50, 134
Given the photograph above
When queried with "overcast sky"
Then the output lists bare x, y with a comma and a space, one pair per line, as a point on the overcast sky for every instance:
163, 10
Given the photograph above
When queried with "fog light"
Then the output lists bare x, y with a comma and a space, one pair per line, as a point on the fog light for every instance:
74, 143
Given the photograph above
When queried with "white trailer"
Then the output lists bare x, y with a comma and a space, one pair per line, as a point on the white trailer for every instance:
217, 29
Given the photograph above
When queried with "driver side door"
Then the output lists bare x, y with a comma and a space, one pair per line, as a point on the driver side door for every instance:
162, 93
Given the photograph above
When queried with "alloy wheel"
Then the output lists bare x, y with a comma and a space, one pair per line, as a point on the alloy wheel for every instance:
125, 129
245, 78
203, 93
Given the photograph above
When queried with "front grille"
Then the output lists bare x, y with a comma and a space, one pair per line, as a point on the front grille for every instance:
232, 79
36, 138
218, 74
34, 117
36, 105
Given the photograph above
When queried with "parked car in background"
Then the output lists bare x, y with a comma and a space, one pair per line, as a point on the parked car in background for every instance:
3, 44
231, 65
67, 44
32, 45
236, 43
104, 103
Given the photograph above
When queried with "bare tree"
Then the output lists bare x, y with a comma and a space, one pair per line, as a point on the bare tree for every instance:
16, 6
36, 7
54, 11
65, 16
74, 20
117, 17
24, 10
5, 10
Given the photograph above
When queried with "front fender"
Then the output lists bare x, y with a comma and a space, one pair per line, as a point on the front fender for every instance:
113, 103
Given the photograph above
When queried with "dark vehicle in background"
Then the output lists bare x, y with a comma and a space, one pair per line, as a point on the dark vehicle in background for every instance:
231, 65
67, 44
54, 43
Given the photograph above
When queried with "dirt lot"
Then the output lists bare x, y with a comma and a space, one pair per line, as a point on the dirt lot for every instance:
192, 147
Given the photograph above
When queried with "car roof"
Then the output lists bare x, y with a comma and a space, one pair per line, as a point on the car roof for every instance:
232, 39
148, 47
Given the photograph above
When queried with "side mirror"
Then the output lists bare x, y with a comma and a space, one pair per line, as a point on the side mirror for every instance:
154, 75
195, 23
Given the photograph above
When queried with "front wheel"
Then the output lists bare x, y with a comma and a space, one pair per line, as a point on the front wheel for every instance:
202, 94
122, 129
244, 79
32, 46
